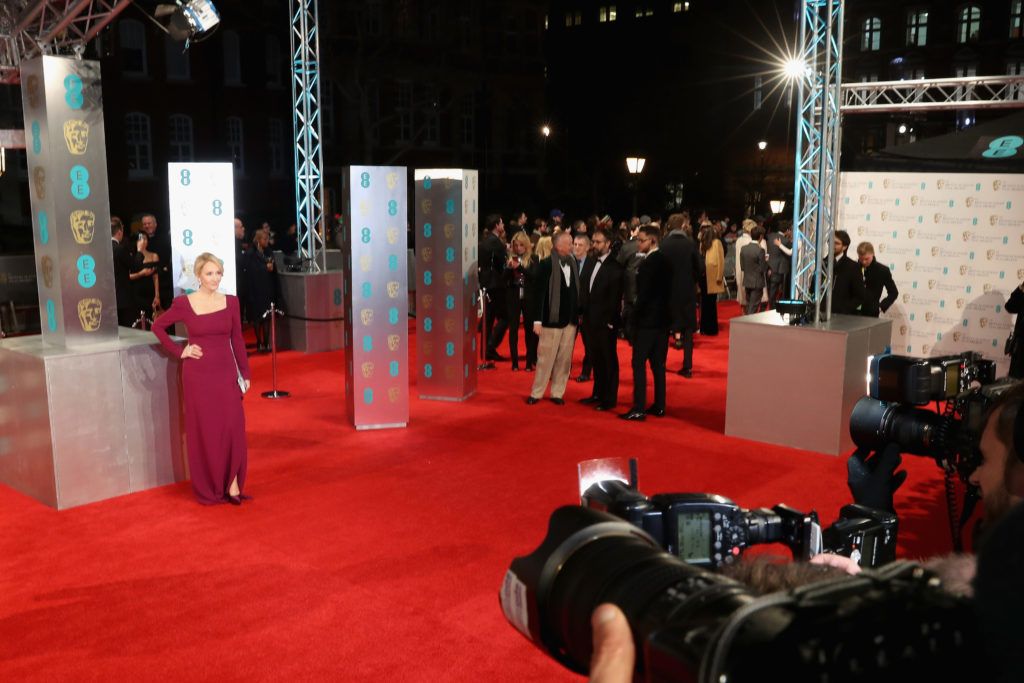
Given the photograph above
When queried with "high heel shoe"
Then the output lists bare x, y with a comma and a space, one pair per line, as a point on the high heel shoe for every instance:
234, 500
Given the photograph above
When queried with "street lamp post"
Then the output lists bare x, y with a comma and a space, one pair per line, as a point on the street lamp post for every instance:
761, 145
635, 166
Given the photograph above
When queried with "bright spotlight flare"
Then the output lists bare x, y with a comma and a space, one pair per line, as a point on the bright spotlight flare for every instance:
189, 19
795, 68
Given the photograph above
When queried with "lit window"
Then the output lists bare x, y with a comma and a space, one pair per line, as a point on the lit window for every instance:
132, 36
606, 14
644, 11
235, 144
968, 24
577, 19
871, 38
917, 27
179, 138
1016, 20
678, 7
138, 148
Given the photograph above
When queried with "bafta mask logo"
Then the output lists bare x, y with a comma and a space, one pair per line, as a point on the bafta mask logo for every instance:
448, 182
937, 218
449, 372
76, 136
83, 226
940, 183
449, 325
394, 394
909, 266
983, 322
993, 220
929, 316
987, 287
366, 316
392, 180
39, 182
428, 348
903, 330
959, 303
1020, 273
925, 348
863, 198
885, 216
449, 278
964, 269
365, 262
911, 232
969, 201
46, 265
914, 199
935, 251
967, 235
990, 254
931, 284
367, 369
364, 207
426, 206
392, 235
428, 301
393, 288
957, 335
33, 91
860, 229
997, 184
428, 254
393, 341
882, 247
886, 183
906, 298
90, 314
449, 230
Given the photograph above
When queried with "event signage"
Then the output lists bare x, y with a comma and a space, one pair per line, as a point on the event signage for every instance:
201, 200
67, 170
955, 245
447, 224
376, 295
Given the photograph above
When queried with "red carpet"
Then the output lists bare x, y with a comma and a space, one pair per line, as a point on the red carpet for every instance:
373, 555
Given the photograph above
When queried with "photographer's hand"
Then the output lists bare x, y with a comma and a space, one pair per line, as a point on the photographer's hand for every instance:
614, 653
872, 476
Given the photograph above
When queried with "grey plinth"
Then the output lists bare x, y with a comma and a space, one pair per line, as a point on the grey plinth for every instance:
796, 386
311, 295
83, 425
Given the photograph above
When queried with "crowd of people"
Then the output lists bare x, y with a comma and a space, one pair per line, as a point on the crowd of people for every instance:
647, 281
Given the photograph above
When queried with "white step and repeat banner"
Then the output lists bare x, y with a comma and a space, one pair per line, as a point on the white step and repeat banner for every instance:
955, 245
201, 199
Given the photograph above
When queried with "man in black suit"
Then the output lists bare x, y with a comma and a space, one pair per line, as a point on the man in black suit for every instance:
651, 319
847, 281
160, 244
778, 263
492, 266
581, 252
876, 277
681, 254
601, 289
754, 264
122, 274
1015, 345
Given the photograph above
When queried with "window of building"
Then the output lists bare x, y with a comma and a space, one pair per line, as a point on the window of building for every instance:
232, 59
275, 72
432, 117
644, 11
176, 56
678, 7
608, 13
235, 144
1016, 68
965, 71
758, 92
917, 27
871, 38
404, 110
179, 138
968, 24
577, 18
132, 35
469, 121
275, 138
138, 145
1016, 18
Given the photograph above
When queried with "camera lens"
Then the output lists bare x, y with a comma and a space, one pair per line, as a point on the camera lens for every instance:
874, 424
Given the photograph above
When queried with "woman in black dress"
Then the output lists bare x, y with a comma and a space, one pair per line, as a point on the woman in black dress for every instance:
260, 273
145, 277
520, 274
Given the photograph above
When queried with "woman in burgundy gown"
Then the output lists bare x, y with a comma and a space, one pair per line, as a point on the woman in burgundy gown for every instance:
214, 420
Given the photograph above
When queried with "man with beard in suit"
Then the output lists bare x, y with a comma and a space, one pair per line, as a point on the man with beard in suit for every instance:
847, 282
680, 252
779, 263
492, 266
876, 278
601, 288
122, 274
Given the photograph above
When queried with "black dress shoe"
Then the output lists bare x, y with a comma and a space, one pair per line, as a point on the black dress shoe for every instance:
656, 412
589, 399
494, 355
530, 367
604, 406
558, 401
686, 372
515, 367
633, 416
583, 378
530, 400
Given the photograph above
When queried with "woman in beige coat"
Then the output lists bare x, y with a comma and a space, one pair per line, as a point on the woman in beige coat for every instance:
714, 279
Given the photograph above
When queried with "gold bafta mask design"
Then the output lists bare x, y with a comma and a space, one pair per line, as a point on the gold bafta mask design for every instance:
906, 298
1020, 273
886, 183
39, 182
90, 314
428, 254
928, 316
860, 229
449, 278
426, 206
964, 269
914, 199
83, 226
365, 262
393, 287
885, 215
449, 230
940, 183
903, 330
959, 303
997, 184
448, 182
925, 348
983, 322
935, 251
46, 265
967, 235
908, 266
911, 233
367, 369
993, 220
393, 341
394, 394
957, 335
931, 284
882, 247
428, 348
449, 325
33, 91
428, 301
987, 287
391, 179
936, 218
990, 254
392, 235
364, 207
366, 316
863, 198
76, 136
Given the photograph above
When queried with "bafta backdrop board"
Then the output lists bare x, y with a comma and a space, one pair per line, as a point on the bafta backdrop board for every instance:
67, 168
376, 296
201, 200
446, 313
955, 245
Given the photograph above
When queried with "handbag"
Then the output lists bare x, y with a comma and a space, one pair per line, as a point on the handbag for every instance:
238, 373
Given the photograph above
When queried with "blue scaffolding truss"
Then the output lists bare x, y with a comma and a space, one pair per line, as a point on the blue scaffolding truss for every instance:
309, 158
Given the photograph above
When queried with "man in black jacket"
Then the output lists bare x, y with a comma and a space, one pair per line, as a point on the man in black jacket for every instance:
876, 277
650, 321
492, 265
122, 274
1015, 347
680, 252
557, 305
601, 294
847, 282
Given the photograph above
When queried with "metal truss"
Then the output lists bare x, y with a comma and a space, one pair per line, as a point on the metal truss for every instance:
29, 28
934, 94
816, 186
309, 158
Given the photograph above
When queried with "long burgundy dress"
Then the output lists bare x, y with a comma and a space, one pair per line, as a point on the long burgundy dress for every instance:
214, 420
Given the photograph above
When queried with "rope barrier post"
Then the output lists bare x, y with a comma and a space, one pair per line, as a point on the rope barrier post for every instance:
273, 393
482, 346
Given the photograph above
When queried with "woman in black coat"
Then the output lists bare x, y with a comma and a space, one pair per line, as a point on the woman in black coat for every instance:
520, 276
261, 286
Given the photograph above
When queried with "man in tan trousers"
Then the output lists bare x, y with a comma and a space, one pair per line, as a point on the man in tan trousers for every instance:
557, 303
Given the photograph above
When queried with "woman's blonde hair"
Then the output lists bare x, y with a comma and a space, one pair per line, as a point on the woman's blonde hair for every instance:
524, 239
543, 247
203, 259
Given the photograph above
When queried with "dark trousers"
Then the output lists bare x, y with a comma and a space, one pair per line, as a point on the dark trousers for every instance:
517, 309
603, 349
588, 364
754, 299
650, 346
709, 314
126, 317
686, 341
496, 319
776, 284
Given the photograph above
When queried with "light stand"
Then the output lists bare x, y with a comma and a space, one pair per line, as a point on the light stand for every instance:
273, 393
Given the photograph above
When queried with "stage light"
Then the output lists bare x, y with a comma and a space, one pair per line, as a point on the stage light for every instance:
902, 129
777, 206
795, 68
189, 19
797, 312
635, 165
762, 145
545, 131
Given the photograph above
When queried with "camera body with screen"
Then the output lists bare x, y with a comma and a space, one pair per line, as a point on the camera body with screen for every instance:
708, 530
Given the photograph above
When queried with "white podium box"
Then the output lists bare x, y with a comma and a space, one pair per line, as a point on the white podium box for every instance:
796, 386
